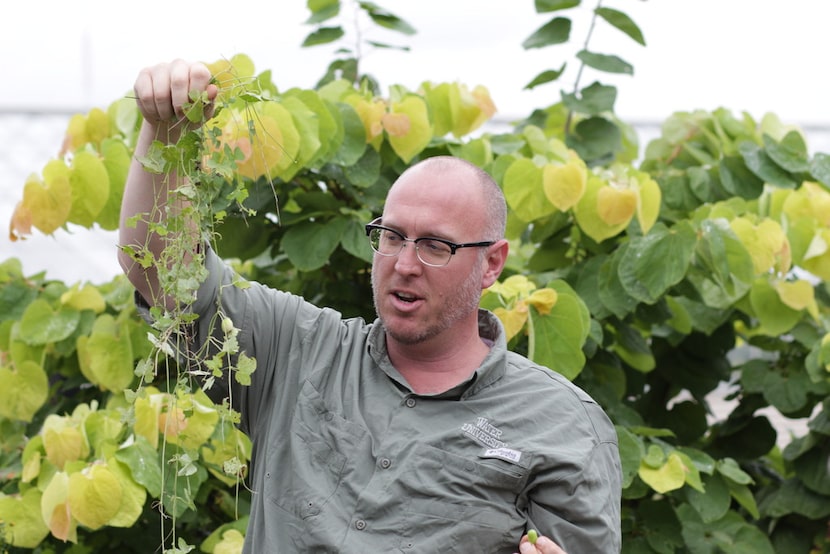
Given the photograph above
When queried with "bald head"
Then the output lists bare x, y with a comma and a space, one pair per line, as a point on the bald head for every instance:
461, 177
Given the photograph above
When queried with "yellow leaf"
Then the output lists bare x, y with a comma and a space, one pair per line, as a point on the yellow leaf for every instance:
616, 206
86, 297
798, 295
55, 509
473, 108
371, 113
564, 185
232, 75
231, 543
90, 185
21, 223
543, 300
419, 131
513, 320
147, 410
668, 477
62, 441
132, 498
587, 212
765, 242
48, 201
649, 198
515, 286
95, 496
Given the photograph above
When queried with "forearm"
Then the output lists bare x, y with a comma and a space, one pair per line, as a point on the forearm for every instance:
146, 202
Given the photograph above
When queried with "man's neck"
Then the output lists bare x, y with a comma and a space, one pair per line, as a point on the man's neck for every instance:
432, 370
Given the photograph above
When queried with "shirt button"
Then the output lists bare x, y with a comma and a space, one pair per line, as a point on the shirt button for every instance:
360, 525
385, 463
410, 402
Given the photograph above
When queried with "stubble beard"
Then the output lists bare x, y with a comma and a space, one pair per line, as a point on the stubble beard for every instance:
457, 308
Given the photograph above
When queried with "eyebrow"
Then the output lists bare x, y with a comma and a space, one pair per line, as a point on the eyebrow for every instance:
383, 223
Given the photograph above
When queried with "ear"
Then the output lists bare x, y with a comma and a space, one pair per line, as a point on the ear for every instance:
494, 262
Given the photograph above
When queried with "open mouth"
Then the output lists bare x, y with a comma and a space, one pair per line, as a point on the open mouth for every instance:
403, 297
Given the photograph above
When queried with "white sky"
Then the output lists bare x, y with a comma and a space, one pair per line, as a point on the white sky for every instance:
745, 55
753, 55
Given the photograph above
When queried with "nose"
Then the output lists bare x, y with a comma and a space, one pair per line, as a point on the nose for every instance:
407, 261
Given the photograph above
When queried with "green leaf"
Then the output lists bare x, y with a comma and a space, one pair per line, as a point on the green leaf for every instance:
730, 469
322, 10
307, 124
143, 462
713, 504
546, 77
595, 139
309, 245
661, 527
355, 242
632, 451
792, 497
612, 294
323, 35
791, 153
605, 62
14, 298
622, 22
555, 31
245, 367
761, 164
182, 481
42, 325
543, 6
743, 495
523, 190
117, 161
654, 263
354, 137
811, 467
386, 19
633, 348
23, 524
23, 391
558, 337
731, 534
725, 271
592, 100
776, 318
106, 355
738, 180
820, 168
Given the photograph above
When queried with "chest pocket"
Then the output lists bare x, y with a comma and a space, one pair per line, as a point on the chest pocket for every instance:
457, 502
306, 467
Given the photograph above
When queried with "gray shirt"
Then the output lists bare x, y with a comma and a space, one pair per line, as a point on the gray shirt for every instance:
347, 458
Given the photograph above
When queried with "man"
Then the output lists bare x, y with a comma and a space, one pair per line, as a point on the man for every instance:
419, 432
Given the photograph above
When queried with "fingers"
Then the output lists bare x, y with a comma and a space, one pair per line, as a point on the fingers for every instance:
543, 545
162, 90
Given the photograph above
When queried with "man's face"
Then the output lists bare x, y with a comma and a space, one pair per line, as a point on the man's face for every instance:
417, 302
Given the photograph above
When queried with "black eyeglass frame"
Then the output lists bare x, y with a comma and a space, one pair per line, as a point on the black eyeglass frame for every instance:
453, 246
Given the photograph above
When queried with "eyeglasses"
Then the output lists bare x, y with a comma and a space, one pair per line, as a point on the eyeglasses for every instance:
431, 251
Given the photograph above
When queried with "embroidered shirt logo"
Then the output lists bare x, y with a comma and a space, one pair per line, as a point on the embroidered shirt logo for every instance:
484, 433
503, 453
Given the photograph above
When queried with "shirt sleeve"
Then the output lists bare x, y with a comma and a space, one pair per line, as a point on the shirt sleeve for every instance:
581, 513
